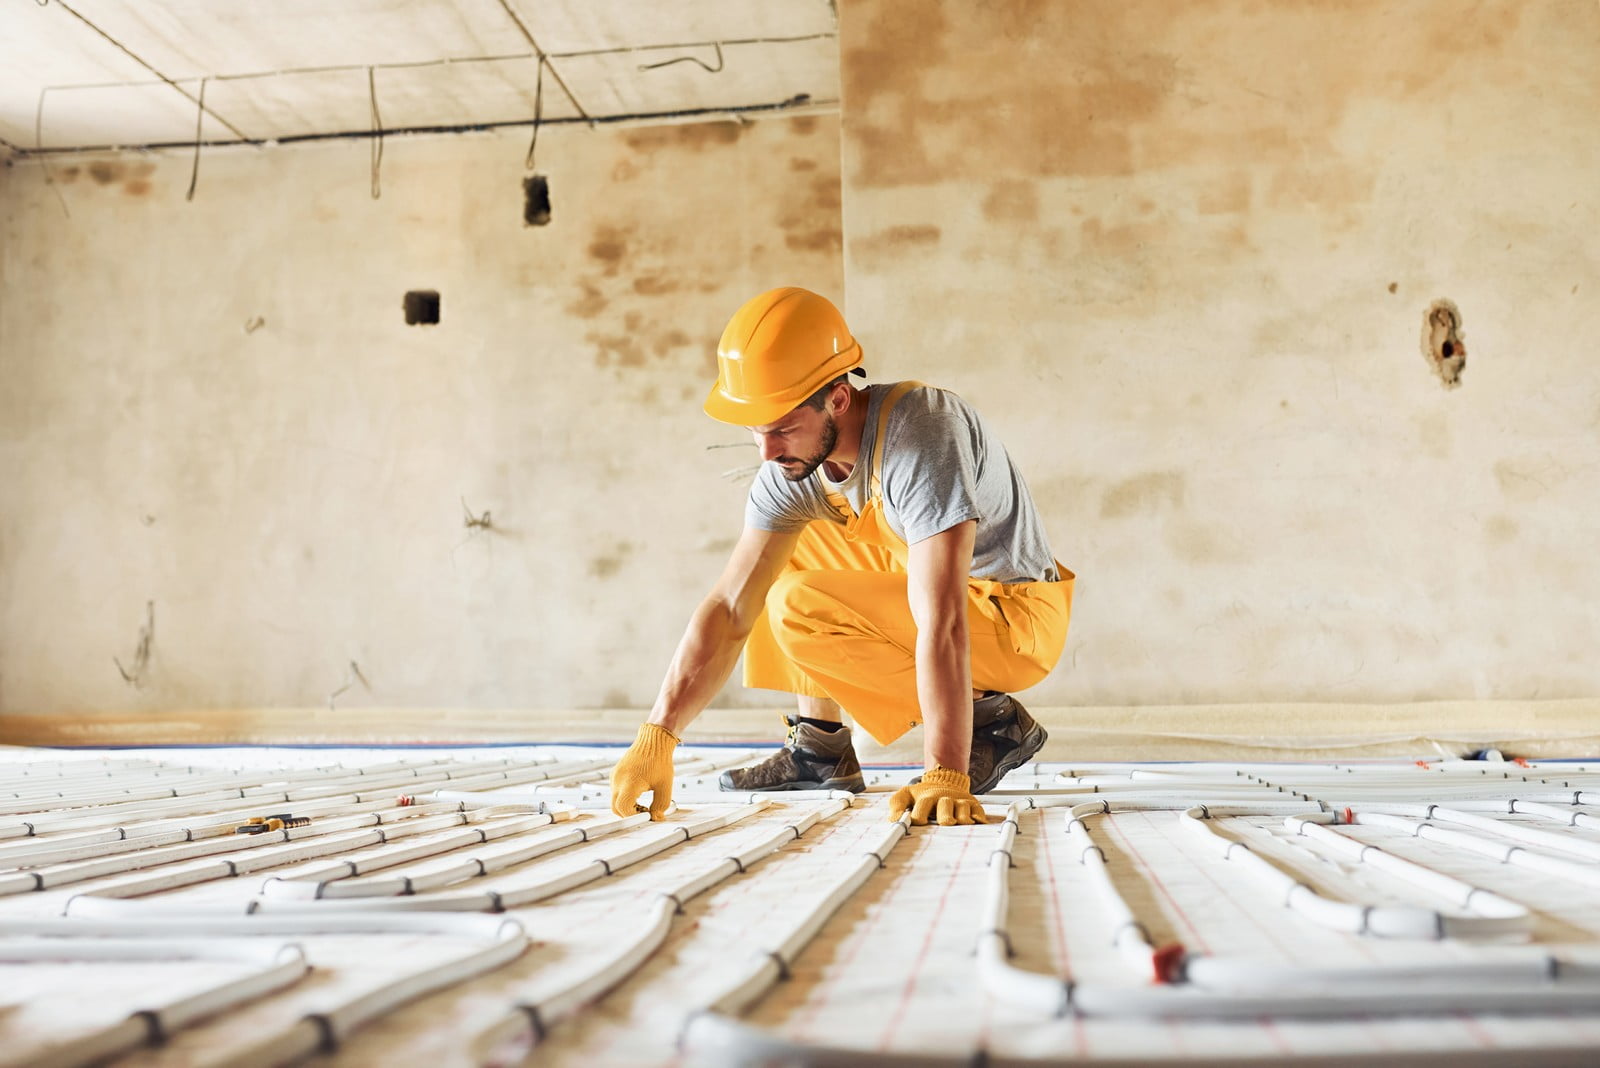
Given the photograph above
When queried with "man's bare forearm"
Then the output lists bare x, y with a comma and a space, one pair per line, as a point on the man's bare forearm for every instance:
944, 690
706, 654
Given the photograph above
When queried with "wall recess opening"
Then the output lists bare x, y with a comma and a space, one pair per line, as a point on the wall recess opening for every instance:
1442, 343
422, 307
536, 200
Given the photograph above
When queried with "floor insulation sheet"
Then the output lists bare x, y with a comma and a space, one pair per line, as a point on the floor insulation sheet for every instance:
483, 906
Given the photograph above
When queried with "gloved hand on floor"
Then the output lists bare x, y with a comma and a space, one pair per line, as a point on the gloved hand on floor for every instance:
647, 765
943, 794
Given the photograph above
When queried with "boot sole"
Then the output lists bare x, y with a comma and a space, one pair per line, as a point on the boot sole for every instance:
853, 783
1031, 743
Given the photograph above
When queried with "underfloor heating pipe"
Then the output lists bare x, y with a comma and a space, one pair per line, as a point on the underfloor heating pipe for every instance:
1379, 921
84, 845
1453, 813
1048, 995
1495, 916
530, 1021
48, 875
291, 851
1522, 856
768, 965
722, 1042
273, 967
144, 812
673, 834
461, 869
500, 940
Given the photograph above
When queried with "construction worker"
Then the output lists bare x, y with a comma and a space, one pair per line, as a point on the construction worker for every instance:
892, 564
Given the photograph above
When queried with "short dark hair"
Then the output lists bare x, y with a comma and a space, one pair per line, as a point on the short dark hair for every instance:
818, 399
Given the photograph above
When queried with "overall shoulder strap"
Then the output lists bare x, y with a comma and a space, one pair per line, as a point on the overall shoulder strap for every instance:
898, 391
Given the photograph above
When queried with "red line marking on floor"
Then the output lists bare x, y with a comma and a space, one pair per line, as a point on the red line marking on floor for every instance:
1476, 1030
801, 1020
1155, 879
1273, 1033
922, 954
1063, 958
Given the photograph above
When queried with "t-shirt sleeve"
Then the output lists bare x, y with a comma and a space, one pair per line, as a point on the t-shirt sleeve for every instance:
777, 504
930, 473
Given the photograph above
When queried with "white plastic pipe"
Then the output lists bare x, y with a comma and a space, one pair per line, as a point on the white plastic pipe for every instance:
673, 834
273, 968
500, 939
530, 1021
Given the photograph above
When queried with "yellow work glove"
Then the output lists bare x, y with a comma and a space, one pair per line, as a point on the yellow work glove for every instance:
943, 794
647, 765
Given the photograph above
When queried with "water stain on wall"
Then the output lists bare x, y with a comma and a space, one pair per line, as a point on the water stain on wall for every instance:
813, 224
1194, 543
591, 303
608, 563
609, 247
950, 90
1012, 200
656, 285
665, 343
1500, 530
134, 176
696, 136
1528, 479
1150, 492
623, 350
889, 246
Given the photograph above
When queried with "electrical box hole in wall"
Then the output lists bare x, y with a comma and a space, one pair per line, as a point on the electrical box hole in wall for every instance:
536, 200
422, 307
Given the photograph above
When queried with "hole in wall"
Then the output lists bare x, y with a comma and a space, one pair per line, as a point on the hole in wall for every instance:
1442, 343
536, 200
422, 307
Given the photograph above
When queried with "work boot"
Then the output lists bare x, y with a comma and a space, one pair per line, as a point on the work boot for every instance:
811, 759
1004, 737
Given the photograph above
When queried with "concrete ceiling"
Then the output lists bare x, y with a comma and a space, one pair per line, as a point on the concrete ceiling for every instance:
101, 73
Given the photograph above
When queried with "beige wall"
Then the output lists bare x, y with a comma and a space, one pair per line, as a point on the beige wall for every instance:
290, 498
1181, 255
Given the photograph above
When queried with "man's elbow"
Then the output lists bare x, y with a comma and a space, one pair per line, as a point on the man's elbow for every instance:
945, 630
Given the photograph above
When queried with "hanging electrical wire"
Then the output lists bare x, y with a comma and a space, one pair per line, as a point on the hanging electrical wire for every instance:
689, 59
538, 113
199, 121
377, 133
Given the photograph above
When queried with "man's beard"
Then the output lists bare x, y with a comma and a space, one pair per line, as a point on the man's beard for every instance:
830, 438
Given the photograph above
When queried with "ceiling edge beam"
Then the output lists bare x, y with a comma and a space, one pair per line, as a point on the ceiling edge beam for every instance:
800, 105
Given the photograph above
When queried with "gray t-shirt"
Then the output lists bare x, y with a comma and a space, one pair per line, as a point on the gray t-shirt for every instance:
941, 467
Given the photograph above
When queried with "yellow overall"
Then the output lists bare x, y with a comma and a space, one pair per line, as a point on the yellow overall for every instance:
838, 620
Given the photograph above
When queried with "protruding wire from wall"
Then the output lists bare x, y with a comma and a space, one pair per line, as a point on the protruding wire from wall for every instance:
141, 653
351, 677
199, 123
690, 59
538, 114
38, 144
377, 132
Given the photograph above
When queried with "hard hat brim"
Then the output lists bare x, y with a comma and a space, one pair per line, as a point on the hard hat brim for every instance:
759, 411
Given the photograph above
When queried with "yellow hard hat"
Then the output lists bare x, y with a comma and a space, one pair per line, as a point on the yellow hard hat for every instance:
777, 350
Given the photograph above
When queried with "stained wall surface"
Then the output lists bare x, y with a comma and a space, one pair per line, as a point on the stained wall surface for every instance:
216, 408
1181, 256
